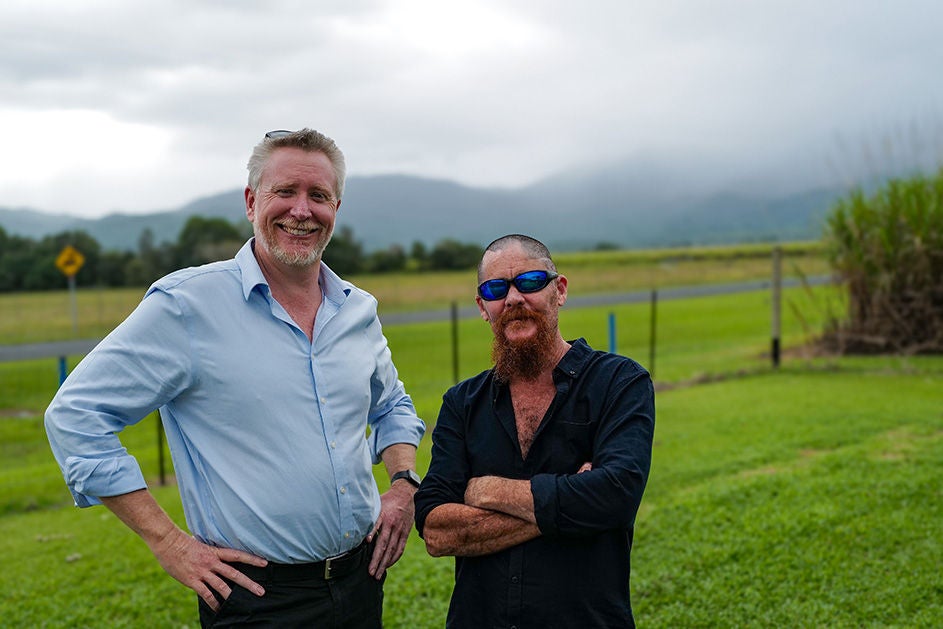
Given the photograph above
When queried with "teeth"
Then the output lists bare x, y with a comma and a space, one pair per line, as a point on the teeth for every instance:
295, 231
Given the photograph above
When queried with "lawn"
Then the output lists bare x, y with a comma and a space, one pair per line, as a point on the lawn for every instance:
808, 496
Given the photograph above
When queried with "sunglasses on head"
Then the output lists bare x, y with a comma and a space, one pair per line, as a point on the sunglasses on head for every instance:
527, 282
278, 133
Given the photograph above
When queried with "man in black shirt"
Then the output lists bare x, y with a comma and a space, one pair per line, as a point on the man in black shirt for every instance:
539, 464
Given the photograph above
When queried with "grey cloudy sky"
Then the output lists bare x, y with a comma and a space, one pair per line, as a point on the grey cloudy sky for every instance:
114, 105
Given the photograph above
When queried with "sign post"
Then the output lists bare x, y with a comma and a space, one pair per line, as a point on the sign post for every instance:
69, 262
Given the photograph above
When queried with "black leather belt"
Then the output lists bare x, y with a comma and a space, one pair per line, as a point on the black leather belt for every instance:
331, 568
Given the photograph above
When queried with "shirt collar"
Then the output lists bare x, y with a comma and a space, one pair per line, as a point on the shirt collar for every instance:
333, 287
250, 270
576, 358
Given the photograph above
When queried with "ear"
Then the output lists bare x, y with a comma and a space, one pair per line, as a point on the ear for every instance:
561, 290
250, 203
481, 308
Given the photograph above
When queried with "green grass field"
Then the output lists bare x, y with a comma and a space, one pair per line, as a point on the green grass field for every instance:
807, 495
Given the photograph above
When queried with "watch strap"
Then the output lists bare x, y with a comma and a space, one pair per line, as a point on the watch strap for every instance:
409, 476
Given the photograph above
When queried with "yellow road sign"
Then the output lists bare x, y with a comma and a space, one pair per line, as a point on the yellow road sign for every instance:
70, 261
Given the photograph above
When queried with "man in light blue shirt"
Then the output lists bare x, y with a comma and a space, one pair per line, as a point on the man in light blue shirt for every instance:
267, 369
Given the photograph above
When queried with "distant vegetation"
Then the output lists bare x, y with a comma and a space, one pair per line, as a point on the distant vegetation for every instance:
29, 265
888, 250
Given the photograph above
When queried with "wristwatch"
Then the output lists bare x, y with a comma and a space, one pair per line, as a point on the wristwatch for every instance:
410, 476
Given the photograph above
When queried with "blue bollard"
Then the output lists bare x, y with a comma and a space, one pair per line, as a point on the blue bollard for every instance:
63, 370
612, 333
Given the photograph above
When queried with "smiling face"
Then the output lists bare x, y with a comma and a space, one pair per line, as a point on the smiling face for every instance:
294, 207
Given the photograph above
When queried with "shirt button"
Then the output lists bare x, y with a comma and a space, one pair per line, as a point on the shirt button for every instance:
333, 444
515, 579
322, 400
343, 490
347, 534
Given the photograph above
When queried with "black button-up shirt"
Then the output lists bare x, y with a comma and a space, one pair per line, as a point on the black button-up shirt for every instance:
576, 574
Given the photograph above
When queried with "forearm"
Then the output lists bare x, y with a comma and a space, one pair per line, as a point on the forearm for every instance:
399, 457
140, 512
460, 530
505, 495
200, 567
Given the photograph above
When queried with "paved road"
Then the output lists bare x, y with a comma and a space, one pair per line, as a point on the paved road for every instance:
81, 347
33, 351
610, 299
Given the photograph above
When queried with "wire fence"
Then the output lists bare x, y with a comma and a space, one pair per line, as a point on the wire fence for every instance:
681, 335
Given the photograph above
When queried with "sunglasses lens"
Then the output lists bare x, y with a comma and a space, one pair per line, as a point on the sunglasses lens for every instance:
532, 281
279, 133
494, 289
529, 282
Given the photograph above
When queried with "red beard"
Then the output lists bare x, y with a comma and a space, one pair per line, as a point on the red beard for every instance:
526, 358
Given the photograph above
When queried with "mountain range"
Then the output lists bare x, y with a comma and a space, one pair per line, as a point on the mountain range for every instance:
626, 207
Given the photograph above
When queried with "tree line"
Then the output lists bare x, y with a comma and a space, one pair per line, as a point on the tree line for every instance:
27, 264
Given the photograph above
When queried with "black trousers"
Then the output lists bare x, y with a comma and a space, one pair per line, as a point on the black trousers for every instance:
301, 596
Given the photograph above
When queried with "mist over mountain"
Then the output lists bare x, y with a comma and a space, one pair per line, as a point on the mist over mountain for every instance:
629, 205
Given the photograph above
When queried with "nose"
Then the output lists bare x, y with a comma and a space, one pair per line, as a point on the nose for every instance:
300, 207
514, 296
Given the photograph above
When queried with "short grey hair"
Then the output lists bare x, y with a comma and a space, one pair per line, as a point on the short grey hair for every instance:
534, 249
305, 139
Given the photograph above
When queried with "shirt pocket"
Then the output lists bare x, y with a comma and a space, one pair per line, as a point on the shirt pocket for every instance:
573, 444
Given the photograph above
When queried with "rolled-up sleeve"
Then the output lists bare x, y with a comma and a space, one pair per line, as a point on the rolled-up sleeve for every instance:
392, 417
136, 369
608, 496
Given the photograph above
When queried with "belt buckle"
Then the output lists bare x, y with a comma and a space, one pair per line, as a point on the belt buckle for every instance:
330, 561
329, 564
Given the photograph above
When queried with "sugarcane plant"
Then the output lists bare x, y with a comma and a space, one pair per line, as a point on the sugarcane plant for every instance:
887, 250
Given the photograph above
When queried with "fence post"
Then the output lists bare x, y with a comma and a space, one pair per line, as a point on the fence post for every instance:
776, 303
160, 449
455, 342
651, 333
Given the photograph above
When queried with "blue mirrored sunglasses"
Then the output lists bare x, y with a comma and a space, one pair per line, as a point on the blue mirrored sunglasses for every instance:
528, 282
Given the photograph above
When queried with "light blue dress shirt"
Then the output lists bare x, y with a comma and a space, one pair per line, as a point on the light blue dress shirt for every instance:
268, 431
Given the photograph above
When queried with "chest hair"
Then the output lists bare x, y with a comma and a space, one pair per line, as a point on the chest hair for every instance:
530, 401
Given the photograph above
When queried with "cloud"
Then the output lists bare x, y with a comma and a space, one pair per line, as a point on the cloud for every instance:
484, 93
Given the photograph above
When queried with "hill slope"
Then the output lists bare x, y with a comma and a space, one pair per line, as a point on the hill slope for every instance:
577, 213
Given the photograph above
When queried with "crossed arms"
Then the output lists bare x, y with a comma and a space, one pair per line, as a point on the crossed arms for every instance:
498, 513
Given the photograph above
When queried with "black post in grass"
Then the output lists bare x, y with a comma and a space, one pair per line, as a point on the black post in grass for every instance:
455, 342
776, 303
160, 450
651, 333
